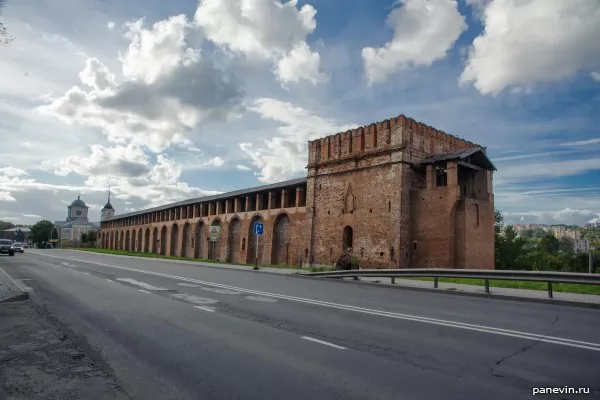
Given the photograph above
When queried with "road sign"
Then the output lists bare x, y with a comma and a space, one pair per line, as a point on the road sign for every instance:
214, 238
259, 228
214, 231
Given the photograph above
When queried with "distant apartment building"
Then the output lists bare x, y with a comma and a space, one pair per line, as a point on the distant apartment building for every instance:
591, 225
530, 227
581, 246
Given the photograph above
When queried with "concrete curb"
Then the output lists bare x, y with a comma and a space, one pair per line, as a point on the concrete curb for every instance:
19, 293
298, 274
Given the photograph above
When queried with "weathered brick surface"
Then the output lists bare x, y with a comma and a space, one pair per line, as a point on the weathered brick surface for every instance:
365, 189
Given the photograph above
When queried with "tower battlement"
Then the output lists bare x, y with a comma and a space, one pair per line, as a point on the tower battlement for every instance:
391, 133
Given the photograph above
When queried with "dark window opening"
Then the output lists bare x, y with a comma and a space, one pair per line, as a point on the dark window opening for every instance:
370, 210
243, 244
252, 202
241, 204
362, 140
441, 178
302, 199
476, 214
276, 199
348, 237
414, 245
389, 206
291, 199
264, 200
381, 253
204, 209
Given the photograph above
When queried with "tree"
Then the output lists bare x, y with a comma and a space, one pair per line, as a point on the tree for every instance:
92, 236
548, 244
5, 38
566, 245
4, 225
41, 231
84, 237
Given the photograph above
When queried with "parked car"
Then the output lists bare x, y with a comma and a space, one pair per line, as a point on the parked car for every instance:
25, 246
18, 247
6, 247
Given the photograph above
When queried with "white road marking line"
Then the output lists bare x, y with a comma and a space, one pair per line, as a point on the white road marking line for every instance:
204, 308
145, 291
87, 273
323, 342
415, 318
108, 280
141, 284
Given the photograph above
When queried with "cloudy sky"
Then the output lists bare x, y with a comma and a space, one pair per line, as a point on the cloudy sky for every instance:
166, 100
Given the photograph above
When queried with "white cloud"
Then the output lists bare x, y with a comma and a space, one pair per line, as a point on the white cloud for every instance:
167, 92
300, 64
478, 6
128, 161
243, 168
582, 142
565, 216
285, 156
596, 76
534, 171
159, 51
215, 162
11, 171
110, 25
6, 196
424, 31
32, 215
265, 30
547, 39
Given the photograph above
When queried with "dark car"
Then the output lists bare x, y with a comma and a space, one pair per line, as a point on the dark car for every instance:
6, 247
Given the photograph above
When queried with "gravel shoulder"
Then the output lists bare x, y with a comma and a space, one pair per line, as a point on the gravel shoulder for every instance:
39, 359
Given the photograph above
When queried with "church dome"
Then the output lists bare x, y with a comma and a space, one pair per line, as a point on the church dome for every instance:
78, 203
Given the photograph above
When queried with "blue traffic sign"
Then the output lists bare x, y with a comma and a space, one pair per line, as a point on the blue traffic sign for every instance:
259, 228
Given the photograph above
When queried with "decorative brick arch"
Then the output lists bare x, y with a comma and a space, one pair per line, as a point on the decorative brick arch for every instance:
234, 237
146, 244
163, 241
174, 238
187, 240
127, 241
155, 241
282, 236
200, 240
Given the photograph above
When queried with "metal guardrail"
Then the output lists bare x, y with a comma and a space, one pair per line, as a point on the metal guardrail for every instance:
486, 275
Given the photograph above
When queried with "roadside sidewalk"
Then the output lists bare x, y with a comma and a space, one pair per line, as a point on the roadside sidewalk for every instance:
540, 296
39, 360
9, 290
495, 292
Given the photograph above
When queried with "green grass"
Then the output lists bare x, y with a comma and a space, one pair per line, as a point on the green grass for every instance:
557, 287
153, 255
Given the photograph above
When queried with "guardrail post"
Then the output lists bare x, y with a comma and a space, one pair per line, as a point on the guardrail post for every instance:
550, 289
487, 285
393, 280
435, 282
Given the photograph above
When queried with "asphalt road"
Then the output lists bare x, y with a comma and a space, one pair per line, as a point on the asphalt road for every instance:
179, 331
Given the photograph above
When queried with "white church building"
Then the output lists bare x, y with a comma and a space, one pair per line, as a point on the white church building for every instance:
77, 222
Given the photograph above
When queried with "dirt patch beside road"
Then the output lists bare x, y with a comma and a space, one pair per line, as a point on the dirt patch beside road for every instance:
39, 360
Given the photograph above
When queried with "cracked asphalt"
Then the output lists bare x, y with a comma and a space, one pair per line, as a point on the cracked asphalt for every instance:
179, 331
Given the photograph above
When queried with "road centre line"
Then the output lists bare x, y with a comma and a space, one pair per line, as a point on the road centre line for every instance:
408, 317
145, 291
323, 342
204, 308
108, 280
